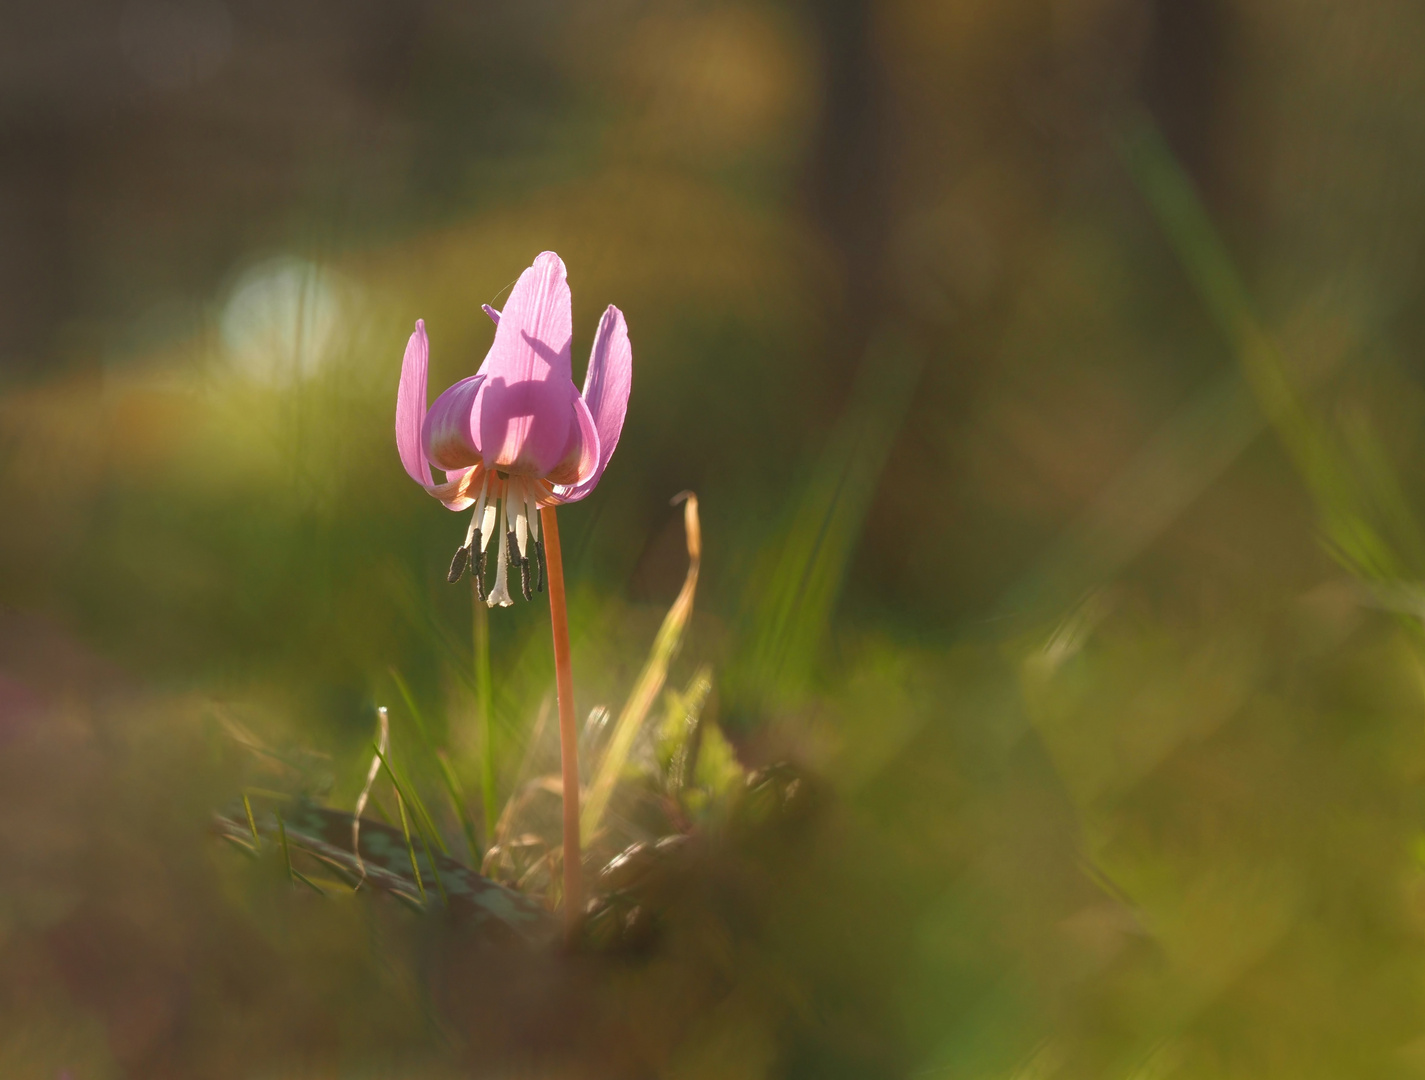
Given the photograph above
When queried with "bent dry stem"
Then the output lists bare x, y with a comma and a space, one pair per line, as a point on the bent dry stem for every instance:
568, 732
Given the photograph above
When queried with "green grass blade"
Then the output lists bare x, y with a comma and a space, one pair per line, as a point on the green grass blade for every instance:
793, 594
286, 852
410, 848
1208, 264
427, 841
1367, 524
406, 696
408, 792
485, 704
305, 880
380, 808
251, 821
458, 804
447, 775
242, 845
434, 866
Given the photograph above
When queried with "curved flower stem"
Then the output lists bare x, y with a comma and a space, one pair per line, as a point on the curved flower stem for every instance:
568, 732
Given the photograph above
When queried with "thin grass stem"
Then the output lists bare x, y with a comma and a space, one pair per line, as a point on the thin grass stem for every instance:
251, 821
447, 775
305, 880
424, 829
457, 802
434, 868
410, 848
406, 790
286, 852
381, 811
242, 845
485, 708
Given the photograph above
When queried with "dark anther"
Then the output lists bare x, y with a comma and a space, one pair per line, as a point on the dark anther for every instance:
512, 549
457, 565
477, 566
524, 580
539, 561
516, 559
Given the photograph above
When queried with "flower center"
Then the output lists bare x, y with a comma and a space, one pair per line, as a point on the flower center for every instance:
511, 502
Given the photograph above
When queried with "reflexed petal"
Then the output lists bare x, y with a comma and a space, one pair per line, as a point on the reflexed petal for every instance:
461, 488
580, 459
607, 385
411, 405
609, 380
447, 436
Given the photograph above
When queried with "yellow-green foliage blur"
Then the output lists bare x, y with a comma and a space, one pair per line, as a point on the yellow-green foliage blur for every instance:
1051, 376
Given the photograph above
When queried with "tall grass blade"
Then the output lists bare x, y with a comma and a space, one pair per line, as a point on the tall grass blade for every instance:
1367, 524
251, 821
1205, 259
410, 848
485, 706
447, 775
286, 852
403, 688
795, 591
458, 804
404, 794
407, 791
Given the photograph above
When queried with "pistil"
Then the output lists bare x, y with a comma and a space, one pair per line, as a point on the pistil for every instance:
500, 594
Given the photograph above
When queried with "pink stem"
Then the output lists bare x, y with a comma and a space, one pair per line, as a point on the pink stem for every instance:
568, 731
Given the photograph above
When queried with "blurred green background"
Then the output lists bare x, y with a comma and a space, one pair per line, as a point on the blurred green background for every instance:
1048, 372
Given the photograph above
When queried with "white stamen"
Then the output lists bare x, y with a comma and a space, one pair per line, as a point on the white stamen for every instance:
478, 516
500, 594
518, 493
487, 526
532, 501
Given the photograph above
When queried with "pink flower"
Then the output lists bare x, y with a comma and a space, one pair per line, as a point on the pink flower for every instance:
517, 435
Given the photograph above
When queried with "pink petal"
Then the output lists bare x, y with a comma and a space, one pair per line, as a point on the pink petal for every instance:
607, 385
411, 405
523, 427
460, 488
581, 455
535, 328
521, 418
447, 435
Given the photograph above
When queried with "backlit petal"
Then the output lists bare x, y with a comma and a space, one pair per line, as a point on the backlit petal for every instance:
607, 385
411, 405
447, 436
522, 416
535, 328
523, 427
461, 488
580, 460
